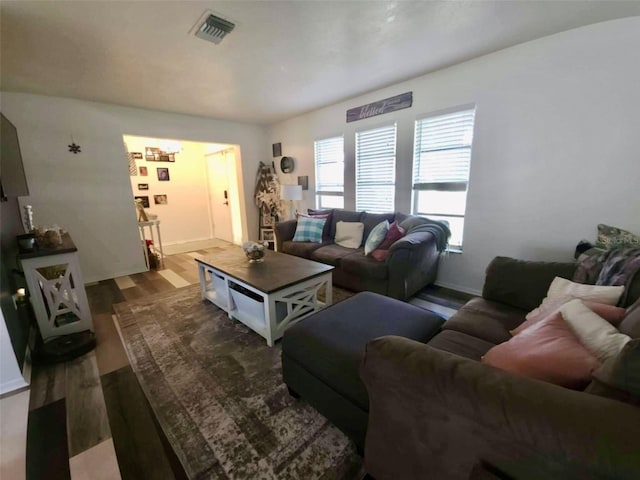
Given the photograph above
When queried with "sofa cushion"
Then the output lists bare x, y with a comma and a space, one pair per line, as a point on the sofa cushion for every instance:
600, 337
363, 266
565, 290
376, 237
300, 249
371, 220
331, 254
395, 233
630, 324
486, 320
349, 234
461, 344
520, 283
326, 231
547, 351
330, 344
339, 215
611, 314
622, 372
309, 229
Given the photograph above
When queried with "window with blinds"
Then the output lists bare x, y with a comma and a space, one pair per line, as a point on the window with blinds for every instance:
441, 162
376, 169
329, 160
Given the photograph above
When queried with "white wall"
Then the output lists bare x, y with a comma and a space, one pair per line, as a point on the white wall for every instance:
187, 215
10, 375
555, 148
90, 194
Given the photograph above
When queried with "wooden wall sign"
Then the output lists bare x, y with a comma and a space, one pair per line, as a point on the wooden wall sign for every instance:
399, 102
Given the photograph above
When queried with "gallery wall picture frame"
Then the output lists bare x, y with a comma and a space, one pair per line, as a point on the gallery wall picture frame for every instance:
153, 154
137, 155
143, 186
303, 181
144, 199
276, 149
143, 171
163, 174
160, 199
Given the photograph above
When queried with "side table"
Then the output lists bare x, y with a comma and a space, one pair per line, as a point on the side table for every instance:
151, 224
56, 289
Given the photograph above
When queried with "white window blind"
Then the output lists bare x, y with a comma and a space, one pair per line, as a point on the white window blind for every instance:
442, 159
329, 160
376, 169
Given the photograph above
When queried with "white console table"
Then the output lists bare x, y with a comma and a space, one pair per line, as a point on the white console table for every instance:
56, 289
150, 224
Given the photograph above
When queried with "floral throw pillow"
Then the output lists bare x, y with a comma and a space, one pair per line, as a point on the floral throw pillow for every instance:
610, 237
309, 229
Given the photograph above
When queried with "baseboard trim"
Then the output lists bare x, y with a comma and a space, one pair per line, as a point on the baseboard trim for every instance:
459, 288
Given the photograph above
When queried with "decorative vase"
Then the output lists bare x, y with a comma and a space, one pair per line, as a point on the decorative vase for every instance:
254, 251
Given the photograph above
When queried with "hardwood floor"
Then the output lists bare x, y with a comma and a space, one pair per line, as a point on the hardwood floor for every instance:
89, 415
89, 418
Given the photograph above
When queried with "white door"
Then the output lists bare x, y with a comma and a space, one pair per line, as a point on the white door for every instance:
219, 196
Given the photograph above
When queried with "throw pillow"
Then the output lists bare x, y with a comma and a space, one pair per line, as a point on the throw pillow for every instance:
623, 371
395, 233
326, 232
611, 314
349, 234
561, 288
594, 332
380, 255
610, 237
547, 351
376, 237
309, 229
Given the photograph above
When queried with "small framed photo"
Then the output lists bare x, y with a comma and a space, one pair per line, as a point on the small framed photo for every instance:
304, 182
276, 149
143, 171
144, 199
163, 174
143, 186
160, 199
267, 234
267, 221
151, 154
137, 155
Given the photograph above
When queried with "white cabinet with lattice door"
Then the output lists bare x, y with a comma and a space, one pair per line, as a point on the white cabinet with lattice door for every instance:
56, 289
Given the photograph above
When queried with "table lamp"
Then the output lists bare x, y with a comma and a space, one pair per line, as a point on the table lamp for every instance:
291, 193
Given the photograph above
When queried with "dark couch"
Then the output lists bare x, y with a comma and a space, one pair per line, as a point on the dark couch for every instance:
435, 411
411, 265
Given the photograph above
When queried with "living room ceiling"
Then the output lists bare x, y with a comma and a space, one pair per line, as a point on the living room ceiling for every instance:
282, 59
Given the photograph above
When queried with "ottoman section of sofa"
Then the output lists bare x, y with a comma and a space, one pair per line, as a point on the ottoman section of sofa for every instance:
321, 354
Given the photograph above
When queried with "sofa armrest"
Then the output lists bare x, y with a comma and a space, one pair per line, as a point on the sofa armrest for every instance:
520, 283
284, 231
436, 412
412, 264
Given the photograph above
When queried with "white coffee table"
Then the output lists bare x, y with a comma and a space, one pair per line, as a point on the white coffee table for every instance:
267, 297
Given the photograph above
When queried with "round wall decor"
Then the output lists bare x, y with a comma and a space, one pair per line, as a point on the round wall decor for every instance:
286, 164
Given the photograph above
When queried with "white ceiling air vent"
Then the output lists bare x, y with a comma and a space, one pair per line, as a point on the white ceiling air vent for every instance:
214, 29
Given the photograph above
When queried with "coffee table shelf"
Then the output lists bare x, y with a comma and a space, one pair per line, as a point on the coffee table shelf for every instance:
267, 297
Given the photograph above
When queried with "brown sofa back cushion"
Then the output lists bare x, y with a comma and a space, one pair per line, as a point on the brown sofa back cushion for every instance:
522, 284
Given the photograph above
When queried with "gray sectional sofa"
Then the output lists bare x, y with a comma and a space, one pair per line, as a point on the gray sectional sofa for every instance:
411, 265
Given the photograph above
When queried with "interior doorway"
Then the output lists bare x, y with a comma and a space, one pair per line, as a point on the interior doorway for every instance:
219, 195
192, 188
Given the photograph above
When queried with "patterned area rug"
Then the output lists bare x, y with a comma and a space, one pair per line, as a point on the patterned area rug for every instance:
216, 389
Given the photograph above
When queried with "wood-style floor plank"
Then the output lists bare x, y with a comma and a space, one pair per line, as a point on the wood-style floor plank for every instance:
87, 422
47, 453
110, 353
48, 384
103, 295
136, 439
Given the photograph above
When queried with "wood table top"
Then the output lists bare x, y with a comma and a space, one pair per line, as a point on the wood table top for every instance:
277, 271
